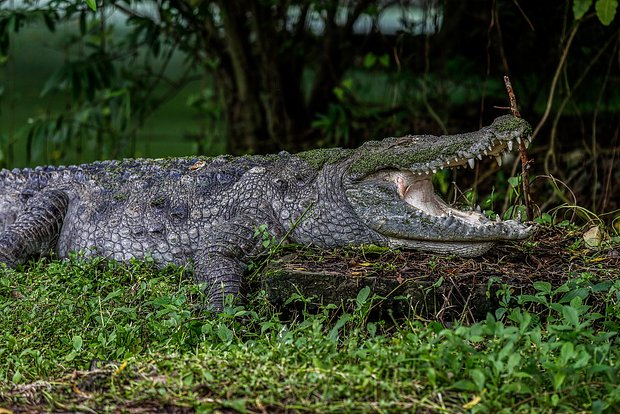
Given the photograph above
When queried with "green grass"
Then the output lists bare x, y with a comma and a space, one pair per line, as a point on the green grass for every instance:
91, 335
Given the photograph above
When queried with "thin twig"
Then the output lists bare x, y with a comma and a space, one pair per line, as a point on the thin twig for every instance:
556, 76
527, 19
560, 108
513, 99
525, 163
594, 144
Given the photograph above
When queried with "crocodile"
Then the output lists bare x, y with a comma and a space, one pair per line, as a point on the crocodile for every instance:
212, 214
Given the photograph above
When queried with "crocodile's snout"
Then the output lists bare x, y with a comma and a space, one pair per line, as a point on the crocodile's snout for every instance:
399, 202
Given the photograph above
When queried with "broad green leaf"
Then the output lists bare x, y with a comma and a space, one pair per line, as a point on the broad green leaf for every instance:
582, 293
431, 375
225, 334
77, 342
581, 7
544, 287
362, 296
567, 352
531, 298
339, 92
598, 406
17, 377
506, 351
369, 60
333, 334
478, 377
606, 10
238, 405
384, 60
513, 361
92, 4
582, 360
603, 286
570, 315
514, 181
464, 385
558, 380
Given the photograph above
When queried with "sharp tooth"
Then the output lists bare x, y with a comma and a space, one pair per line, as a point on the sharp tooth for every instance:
490, 147
471, 162
499, 160
434, 170
498, 219
509, 145
456, 159
486, 152
478, 209
479, 156
518, 140
526, 142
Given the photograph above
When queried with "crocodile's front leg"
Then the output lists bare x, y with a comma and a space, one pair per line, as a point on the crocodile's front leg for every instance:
223, 260
36, 228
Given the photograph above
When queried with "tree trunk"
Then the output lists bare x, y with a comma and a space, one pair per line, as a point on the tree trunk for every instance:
264, 105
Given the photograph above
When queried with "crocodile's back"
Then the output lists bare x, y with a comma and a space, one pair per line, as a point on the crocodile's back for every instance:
134, 207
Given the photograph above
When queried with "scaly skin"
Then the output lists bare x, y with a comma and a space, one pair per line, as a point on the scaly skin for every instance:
204, 212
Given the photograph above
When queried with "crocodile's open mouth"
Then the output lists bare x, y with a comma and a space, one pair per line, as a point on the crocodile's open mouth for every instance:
418, 192
402, 204
415, 187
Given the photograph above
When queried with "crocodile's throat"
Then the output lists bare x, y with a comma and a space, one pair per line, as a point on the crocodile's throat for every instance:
417, 191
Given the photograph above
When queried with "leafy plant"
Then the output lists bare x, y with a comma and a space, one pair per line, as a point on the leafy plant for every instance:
130, 335
605, 9
268, 240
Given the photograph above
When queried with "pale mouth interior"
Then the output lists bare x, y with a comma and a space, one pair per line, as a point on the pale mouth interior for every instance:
417, 191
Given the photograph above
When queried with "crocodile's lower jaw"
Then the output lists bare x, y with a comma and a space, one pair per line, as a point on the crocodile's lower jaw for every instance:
402, 207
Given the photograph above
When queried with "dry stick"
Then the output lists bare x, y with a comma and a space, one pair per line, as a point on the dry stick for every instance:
525, 163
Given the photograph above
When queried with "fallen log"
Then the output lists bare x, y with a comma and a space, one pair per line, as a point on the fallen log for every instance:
440, 287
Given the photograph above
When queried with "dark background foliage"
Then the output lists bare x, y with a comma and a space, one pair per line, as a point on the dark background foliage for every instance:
172, 77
